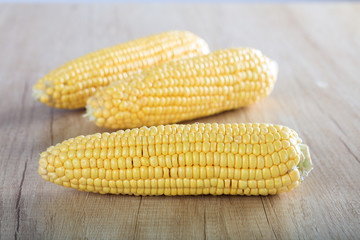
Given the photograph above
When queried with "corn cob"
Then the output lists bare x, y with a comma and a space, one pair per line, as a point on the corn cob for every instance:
185, 89
242, 159
70, 85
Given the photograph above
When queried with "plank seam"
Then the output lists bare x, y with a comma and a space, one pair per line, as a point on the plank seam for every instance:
137, 217
18, 200
267, 219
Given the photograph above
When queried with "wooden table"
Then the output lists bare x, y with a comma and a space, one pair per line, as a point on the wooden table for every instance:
317, 94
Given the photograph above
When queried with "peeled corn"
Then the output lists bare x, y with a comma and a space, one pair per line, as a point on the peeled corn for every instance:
237, 159
185, 89
70, 85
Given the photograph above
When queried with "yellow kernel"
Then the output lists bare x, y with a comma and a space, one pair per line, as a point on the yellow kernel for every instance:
286, 180
274, 171
283, 156
143, 172
151, 171
242, 149
188, 172
261, 183
151, 149
258, 174
209, 171
153, 161
168, 161
290, 164
179, 148
277, 182
172, 149
256, 149
254, 138
107, 164
85, 163
277, 145
285, 144
243, 184
174, 172
220, 147
86, 173
291, 152
129, 174
252, 183
223, 160
244, 174
161, 161
202, 172
252, 161
128, 162
60, 171
282, 168
263, 149
294, 175
234, 148
238, 161
230, 160
270, 148
67, 164
276, 159
88, 153
114, 163
223, 173
136, 162
266, 173
77, 173
196, 172
251, 173
209, 159
158, 172
189, 159
245, 161
196, 158
246, 139
268, 161
144, 161
284, 135
249, 148
269, 137
269, 183
174, 160
121, 163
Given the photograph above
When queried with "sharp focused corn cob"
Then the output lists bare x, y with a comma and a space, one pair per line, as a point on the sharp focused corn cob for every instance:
185, 89
244, 159
70, 85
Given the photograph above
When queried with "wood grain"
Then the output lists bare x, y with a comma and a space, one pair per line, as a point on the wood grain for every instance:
317, 94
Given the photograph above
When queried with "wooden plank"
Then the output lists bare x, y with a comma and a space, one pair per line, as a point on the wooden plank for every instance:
317, 47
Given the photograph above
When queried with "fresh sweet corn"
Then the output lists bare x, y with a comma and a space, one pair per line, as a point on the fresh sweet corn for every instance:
70, 85
185, 89
237, 159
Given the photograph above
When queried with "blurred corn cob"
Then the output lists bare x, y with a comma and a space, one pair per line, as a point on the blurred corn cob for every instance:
185, 89
70, 85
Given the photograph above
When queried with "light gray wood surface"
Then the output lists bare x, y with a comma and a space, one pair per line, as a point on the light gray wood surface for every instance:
317, 94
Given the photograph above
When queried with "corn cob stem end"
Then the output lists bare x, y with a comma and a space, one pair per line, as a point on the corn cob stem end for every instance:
39, 92
305, 164
89, 113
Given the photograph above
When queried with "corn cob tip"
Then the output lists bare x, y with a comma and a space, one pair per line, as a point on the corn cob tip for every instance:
305, 163
274, 68
39, 93
89, 113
